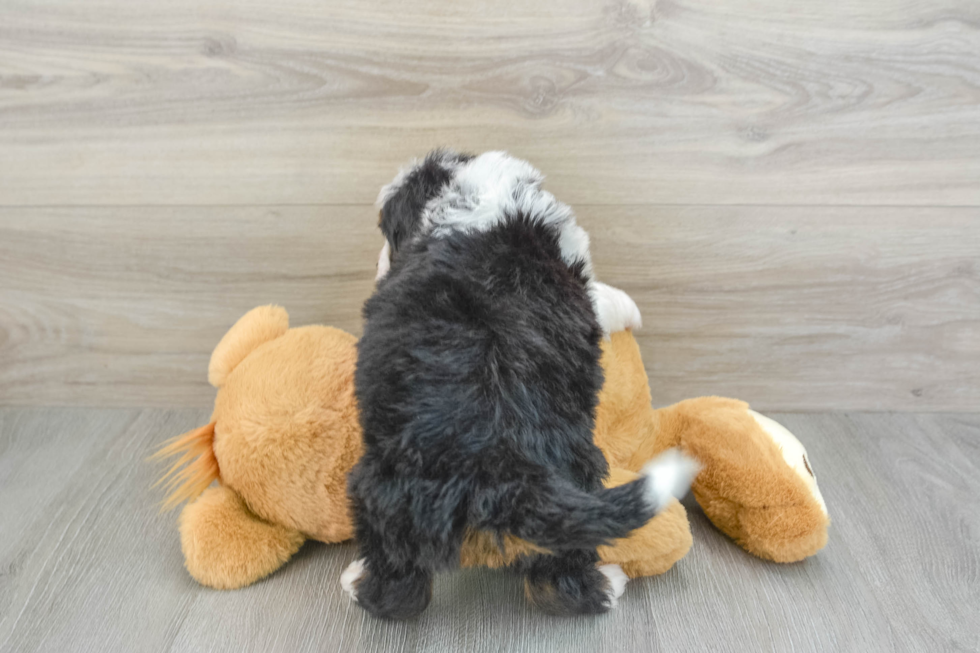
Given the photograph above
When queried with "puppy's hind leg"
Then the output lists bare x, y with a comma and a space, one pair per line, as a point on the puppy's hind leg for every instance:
570, 583
403, 534
385, 591
389, 581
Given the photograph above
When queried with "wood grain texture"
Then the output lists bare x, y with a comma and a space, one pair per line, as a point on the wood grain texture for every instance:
123, 306
623, 102
789, 308
88, 564
802, 308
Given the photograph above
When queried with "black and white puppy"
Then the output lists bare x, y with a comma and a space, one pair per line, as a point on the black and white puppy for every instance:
477, 380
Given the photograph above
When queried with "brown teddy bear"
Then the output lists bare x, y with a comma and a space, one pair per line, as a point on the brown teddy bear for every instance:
285, 432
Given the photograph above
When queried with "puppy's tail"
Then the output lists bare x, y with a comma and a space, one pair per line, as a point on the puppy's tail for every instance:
556, 515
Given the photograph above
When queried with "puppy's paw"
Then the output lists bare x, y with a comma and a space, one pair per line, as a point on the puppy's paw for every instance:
348, 579
669, 475
617, 582
615, 310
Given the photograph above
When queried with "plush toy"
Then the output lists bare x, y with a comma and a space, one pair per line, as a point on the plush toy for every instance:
285, 432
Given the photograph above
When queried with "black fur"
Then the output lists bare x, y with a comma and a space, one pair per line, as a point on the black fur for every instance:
477, 380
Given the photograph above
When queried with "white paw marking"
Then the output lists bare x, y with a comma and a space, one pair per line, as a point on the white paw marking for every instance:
617, 582
669, 475
615, 310
350, 576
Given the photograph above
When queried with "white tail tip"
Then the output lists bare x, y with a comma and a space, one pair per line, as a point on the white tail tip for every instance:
669, 475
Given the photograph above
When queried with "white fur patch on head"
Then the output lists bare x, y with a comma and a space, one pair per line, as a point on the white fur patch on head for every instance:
488, 189
617, 582
496, 174
483, 192
793, 453
494, 186
669, 475
614, 309
350, 576
384, 261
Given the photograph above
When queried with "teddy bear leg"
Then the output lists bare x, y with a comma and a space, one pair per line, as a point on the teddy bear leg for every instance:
655, 547
756, 484
226, 546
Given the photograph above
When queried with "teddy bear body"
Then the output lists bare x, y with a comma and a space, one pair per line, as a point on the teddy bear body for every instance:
285, 432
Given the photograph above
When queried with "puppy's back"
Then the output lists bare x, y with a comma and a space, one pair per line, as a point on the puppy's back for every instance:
477, 340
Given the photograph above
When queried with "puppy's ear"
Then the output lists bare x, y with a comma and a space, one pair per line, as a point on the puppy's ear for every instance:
404, 199
401, 214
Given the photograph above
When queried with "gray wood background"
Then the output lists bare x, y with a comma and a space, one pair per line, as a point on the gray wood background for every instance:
791, 191
88, 564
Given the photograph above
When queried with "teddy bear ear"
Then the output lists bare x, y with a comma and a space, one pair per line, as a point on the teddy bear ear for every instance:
258, 326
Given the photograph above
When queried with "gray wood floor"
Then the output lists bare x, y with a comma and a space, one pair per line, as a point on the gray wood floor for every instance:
88, 564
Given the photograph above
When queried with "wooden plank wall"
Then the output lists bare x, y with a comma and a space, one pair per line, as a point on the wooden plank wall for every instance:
791, 191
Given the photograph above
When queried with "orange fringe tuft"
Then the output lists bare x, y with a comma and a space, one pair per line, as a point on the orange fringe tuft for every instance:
197, 453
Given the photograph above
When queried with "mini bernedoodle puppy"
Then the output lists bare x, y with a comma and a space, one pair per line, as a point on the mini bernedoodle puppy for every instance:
477, 379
